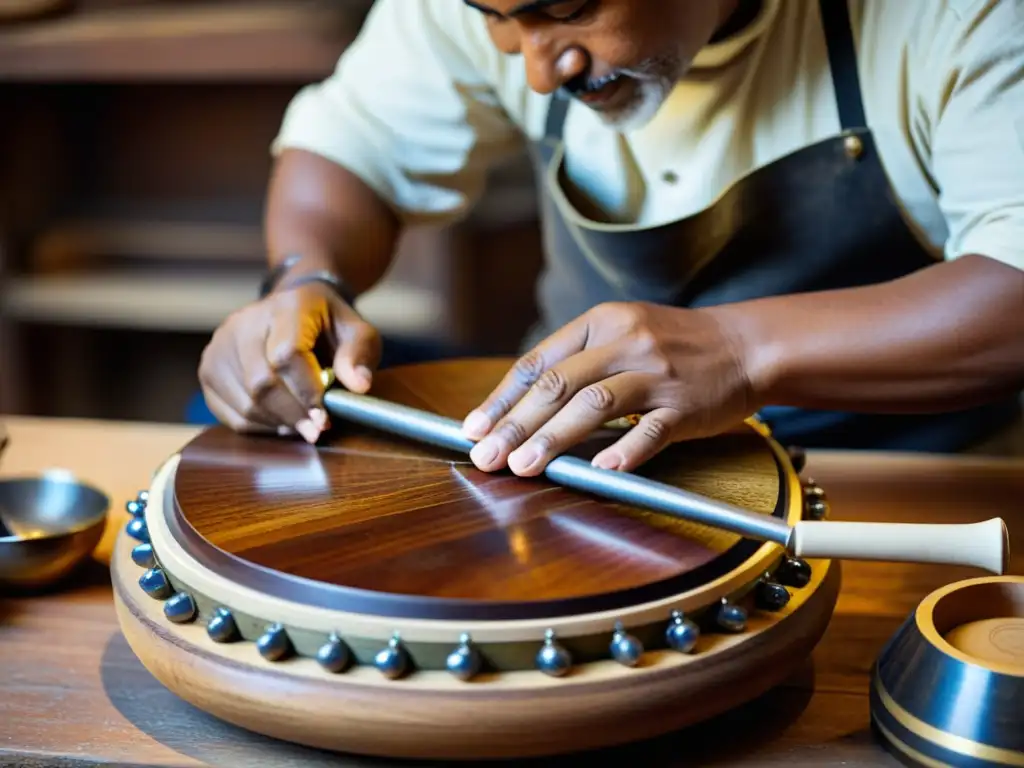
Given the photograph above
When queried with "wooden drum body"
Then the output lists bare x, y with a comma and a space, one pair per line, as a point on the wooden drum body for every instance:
375, 596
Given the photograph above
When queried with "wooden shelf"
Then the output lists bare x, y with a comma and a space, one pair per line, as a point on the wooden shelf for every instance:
216, 232
287, 40
188, 302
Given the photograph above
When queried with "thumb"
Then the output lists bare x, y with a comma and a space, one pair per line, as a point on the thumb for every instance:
359, 350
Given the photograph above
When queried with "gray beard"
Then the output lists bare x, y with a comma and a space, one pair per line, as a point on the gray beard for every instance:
654, 80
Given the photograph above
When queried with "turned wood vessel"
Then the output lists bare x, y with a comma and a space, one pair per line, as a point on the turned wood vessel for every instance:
948, 688
377, 596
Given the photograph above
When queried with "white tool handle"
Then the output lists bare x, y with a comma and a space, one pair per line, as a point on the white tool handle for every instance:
980, 545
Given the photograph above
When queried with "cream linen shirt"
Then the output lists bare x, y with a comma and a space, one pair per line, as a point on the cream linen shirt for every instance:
422, 105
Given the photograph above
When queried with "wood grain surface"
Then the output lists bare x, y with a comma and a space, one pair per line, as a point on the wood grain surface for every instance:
72, 693
366, 511
223, 41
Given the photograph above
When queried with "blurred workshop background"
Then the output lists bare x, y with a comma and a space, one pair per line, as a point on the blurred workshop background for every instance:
134, 155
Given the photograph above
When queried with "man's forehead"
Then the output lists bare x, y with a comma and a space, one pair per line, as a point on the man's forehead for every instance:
511, 8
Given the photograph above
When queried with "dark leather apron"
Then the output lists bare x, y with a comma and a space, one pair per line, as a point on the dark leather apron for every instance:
821, 218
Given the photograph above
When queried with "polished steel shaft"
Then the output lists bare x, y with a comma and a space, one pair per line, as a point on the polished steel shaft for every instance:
568, 471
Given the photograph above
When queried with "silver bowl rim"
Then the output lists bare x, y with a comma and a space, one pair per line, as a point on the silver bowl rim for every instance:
67, 477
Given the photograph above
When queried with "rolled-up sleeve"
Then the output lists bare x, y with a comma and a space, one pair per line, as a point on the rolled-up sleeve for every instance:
409, 110
975, 128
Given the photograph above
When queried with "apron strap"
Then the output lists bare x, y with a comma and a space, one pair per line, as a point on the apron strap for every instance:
842, 57
558, 108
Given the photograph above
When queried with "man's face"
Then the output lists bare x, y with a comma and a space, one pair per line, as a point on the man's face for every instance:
619, 57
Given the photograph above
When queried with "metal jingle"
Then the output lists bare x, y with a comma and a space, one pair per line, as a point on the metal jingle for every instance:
793, 572
393, 661
137, 529
731, 617
552, 659
625, 648
180, 608
334, 655
815, 509
812, 489
682, 634
221, 627
464, 662
274, 644
135, 508
769, 595
143, 555
155, 584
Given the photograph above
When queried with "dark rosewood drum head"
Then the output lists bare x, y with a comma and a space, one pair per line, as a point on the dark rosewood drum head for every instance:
372, 523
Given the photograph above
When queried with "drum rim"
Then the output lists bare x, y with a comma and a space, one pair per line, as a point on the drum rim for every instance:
335, 597
188, 577
167, 648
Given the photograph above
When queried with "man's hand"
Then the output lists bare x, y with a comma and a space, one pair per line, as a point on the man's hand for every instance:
681, 368
260, 372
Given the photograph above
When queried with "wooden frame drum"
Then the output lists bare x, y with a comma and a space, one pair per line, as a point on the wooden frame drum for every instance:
222, 597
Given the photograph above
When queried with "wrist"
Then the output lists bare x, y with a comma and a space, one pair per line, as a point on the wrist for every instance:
302, 268
759, 349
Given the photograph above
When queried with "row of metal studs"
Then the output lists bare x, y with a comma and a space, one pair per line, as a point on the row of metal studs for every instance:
816, 506
465, 661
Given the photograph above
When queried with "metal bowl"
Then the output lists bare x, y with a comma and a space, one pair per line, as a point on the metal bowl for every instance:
948, 689
49, 525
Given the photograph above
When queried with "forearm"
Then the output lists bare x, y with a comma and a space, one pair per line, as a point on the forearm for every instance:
324, 212
944, 338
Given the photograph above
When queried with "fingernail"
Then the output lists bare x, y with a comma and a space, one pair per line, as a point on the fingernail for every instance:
523, 458
476, 425
484, 453
607, 461
309, 431
284, 431
319, 418
365, 375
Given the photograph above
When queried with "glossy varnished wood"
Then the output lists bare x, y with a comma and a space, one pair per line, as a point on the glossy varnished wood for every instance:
73, 694
509, 715
377, 514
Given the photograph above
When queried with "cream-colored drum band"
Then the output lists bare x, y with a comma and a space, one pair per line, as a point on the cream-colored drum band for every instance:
431, 714
805, 615
182, 569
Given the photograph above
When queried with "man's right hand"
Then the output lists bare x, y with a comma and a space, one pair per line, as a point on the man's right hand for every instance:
260, 371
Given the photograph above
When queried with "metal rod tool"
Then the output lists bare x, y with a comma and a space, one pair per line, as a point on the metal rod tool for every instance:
981, 545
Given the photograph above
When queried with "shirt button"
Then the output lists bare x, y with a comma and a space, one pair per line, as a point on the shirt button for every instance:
670, 177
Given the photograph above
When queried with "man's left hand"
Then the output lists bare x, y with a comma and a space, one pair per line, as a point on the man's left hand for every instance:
681, 368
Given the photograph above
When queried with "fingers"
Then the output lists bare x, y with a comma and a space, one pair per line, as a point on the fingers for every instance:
270, 391
358, 353
285, 378
566, 403
289, 357
586, 412
650, 436
527, 371
260, 369
241, 415
288, 377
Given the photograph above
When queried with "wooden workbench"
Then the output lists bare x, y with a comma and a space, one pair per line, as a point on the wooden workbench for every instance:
72, 692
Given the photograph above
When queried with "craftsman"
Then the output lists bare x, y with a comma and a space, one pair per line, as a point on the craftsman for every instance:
812, 211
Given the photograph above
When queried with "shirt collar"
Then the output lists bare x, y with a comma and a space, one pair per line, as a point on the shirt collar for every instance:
722, 53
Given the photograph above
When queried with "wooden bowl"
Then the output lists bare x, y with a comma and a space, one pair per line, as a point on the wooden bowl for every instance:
948, 689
